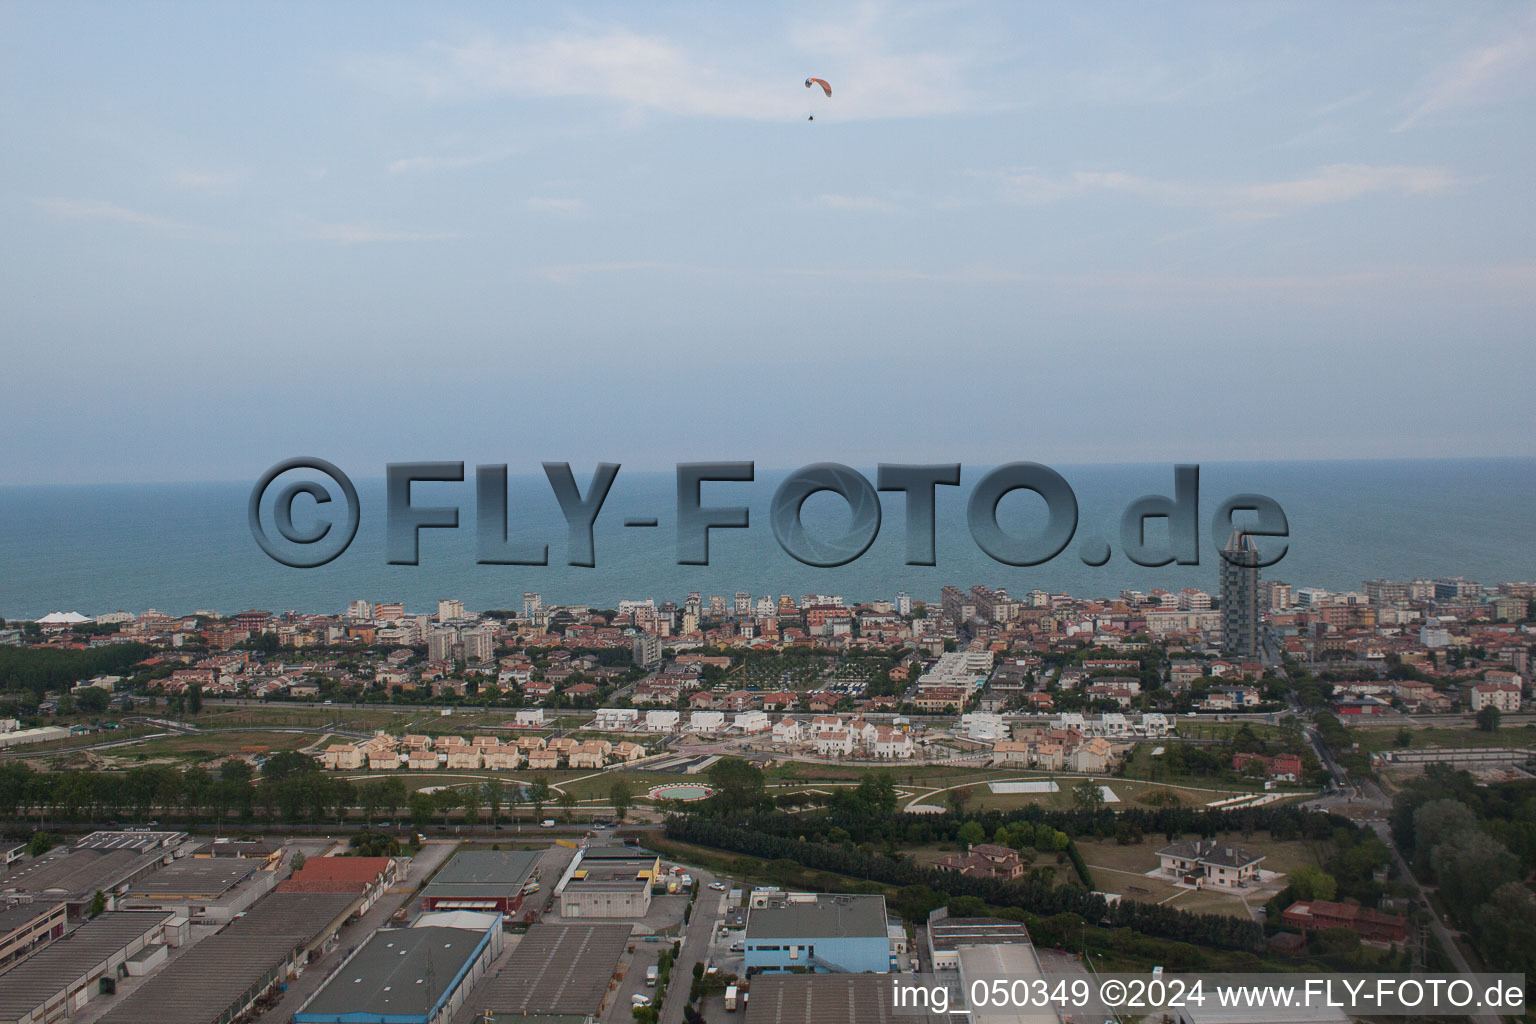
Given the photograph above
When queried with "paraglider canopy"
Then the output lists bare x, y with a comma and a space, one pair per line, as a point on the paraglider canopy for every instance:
821, 82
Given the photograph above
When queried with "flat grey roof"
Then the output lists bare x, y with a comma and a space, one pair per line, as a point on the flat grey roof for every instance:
397, 972
827, 999
24, 914
29, 983
483, 873
129, 840
556, 969
952, 932
210, 976
1013, 961
827, 917
74, 872
196, 877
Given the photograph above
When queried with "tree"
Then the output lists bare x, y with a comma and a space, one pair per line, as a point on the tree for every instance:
959, 797
1088, 796
1404, 737
621, 794
98, 903
299, 860
538, 795
1488, 718
195, 698
971, 833
738, 785
567, 803
421, 810
1313, 883
495, 793
394, 794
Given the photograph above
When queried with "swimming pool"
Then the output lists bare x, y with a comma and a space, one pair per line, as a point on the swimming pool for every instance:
684, 792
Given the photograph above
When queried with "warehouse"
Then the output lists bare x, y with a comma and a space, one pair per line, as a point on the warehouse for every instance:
368, 877
407, 976
818, 932
1015, 961
215, 980
829, 999
609, 881
61, 977
206, 891
484, 880
27, 927
560, 970
75, 874
947, 935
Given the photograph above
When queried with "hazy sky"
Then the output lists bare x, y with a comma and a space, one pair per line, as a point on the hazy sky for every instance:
512, 233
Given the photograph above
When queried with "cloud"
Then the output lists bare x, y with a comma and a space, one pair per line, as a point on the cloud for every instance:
100, 210
365, 233
558, 207
855, 203
1482, 75
654, 72
435, 164
206, 181
1335, 183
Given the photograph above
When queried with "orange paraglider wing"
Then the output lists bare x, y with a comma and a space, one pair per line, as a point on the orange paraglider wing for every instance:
821, 82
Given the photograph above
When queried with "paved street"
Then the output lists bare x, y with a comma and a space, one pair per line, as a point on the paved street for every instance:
707, 910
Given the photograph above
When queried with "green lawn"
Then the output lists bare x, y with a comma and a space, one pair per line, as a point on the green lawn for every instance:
1374, 739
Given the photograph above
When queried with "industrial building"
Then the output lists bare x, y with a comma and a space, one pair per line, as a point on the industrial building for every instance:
829, 999
608, 881
947, 935
218, 978
407, 975
818, 932
484, 880
105, 862
1014, 961
368, 877
560, 971
204, 890
27, 927
59, 979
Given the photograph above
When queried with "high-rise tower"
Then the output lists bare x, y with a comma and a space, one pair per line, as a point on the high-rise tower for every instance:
1240, 597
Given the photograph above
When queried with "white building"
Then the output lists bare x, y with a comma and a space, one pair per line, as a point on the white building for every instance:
1504, 696
752, 722
837, 743
529, 718
617, 718
983, 728
663, 721
708, 722
788, 731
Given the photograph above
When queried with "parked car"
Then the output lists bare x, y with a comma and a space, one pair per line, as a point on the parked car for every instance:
547, 823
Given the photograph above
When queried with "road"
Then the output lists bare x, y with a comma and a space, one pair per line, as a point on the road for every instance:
1442, 933
427, 860
707, 911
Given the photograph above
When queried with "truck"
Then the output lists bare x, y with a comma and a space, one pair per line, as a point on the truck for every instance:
650, 976
730, 999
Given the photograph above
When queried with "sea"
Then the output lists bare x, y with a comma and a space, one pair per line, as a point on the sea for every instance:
186, 547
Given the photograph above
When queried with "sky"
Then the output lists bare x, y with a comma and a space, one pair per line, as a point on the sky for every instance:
516, 233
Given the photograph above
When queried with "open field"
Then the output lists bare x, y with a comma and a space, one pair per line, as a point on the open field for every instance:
207, 746
1122, 869
1374, 739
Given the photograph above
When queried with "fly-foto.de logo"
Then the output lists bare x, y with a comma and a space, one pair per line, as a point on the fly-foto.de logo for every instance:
334, 513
